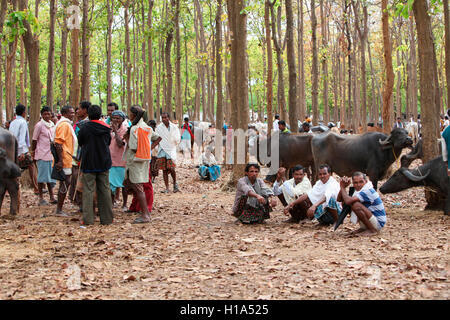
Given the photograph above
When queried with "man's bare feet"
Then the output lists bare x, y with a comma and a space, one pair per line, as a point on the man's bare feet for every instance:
368, 233
351, 233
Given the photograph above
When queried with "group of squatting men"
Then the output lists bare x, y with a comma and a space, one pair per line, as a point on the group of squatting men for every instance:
322, 202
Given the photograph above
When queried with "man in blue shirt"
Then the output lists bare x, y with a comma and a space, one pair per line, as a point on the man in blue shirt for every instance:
19, 128
367, 206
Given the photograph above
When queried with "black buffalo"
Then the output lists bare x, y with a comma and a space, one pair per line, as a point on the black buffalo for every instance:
9, 172
432, 174
293, 149
416, 153
371, 153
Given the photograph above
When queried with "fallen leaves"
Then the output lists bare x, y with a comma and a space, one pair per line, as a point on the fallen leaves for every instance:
192, 249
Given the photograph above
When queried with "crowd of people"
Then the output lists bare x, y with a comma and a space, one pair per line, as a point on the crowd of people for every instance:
96, 158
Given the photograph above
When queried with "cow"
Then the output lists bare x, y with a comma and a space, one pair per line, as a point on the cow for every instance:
9, 171
413, 130
293, 149
371, 153
432, 174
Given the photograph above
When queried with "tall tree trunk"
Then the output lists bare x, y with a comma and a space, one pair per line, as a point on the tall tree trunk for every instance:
51, 55
85, 75
74, 97
349, 118
178, 106
168, 62
110, 8
323, 24
389, 83
301, 63
10, 87
363, 34
219, 112
23, 74
63, 61
276, 36
314, 67
413, 61
428, 73
239, 89
269, 81
150, 61
31, 42
3, 8
127, 55
293, 112
447, 50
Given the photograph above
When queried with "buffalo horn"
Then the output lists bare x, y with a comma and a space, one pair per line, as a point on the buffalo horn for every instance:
413, 177
385, 142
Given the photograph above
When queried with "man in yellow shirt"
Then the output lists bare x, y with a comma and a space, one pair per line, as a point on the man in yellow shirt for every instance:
64, 142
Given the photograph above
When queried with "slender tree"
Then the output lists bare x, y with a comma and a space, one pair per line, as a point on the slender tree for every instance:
293, 112
219, 113
389, 82
269, 67
428, 72
314, 67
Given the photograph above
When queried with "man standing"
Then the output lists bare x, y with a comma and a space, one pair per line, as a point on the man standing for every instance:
187, 137
94, 139
40, 151
65, 141
141, 140
19, 128
321, 201
398, 123
167, 154
275, 123
112, 106
367, 207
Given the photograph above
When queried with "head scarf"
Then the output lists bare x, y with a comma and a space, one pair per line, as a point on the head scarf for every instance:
119, 113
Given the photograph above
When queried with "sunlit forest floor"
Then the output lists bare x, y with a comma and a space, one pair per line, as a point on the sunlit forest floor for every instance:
193, 249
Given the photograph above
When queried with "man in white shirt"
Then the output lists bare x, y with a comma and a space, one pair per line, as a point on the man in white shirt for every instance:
275, 123
19, 128
288, 191
321, 199
167, 152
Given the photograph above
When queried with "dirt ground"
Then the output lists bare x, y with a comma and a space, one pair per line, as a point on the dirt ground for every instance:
193, 249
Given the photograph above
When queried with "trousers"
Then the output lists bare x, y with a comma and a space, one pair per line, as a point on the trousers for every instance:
97, 182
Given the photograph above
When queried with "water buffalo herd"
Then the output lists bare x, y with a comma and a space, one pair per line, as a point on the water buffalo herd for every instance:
371, 153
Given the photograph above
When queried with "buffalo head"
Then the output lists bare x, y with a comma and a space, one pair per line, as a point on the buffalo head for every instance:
403, 179
398, 139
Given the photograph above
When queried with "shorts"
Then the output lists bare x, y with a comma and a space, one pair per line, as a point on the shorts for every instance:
165, 164
44, 171
373, 221
67, 171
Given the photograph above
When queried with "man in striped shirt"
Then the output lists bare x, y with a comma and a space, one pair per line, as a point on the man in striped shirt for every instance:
367, 207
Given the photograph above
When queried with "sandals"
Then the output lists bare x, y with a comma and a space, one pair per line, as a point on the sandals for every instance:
140, 220
165, 191
175, 188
